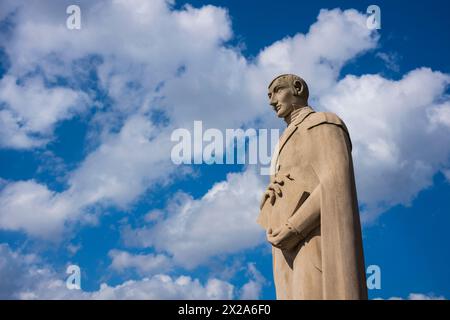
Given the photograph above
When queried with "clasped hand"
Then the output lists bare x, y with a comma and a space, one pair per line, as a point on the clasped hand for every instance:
284, 237
274, 190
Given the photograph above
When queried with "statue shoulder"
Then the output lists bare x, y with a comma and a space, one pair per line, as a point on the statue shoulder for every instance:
324, 118
319, 119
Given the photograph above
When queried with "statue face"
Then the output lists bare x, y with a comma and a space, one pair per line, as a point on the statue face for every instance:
281, 98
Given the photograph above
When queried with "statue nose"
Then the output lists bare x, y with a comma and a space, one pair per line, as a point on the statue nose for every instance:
273, 103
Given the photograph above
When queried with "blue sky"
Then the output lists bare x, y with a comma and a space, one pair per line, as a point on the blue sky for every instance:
86, 117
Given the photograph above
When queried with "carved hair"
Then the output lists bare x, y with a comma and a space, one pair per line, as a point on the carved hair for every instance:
297, 85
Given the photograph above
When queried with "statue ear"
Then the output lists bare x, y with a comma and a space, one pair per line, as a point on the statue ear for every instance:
298, 87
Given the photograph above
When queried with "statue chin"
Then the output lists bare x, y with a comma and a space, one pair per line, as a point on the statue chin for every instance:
281, 114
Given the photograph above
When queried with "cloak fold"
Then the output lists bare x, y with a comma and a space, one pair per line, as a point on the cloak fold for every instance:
343, 271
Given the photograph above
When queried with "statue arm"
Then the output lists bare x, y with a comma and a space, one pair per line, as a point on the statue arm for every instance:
307, 216
331, 164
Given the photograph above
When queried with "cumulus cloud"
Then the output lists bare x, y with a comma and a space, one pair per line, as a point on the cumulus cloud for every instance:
223, 221
22, 273
421, 296
30, 110
157, 287
156, 43
318, 56
189, 70
183, 287
166, 287
124, 165
25, 276
143, 263
399, 132
134, 61
417, 296
114, 174
31, 207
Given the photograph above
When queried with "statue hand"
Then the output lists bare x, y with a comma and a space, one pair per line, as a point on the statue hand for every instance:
274, 190
271, 193
284, 237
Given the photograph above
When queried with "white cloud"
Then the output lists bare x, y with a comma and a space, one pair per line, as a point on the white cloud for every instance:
73, 248
390, 60
446, 173
31, 207
440, 115
399, 134
30, 110
22, 273
158, 287
116, 173
124, 165
216, 79
24, 276
336, 38
421, 296
417, 296
223, 221
144, 263
155, 43
183, 287
166, 287
252, 290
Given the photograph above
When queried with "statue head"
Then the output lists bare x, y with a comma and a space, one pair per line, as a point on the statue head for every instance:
287, 92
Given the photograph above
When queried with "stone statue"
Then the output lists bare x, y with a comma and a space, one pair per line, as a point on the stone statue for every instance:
310, 209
